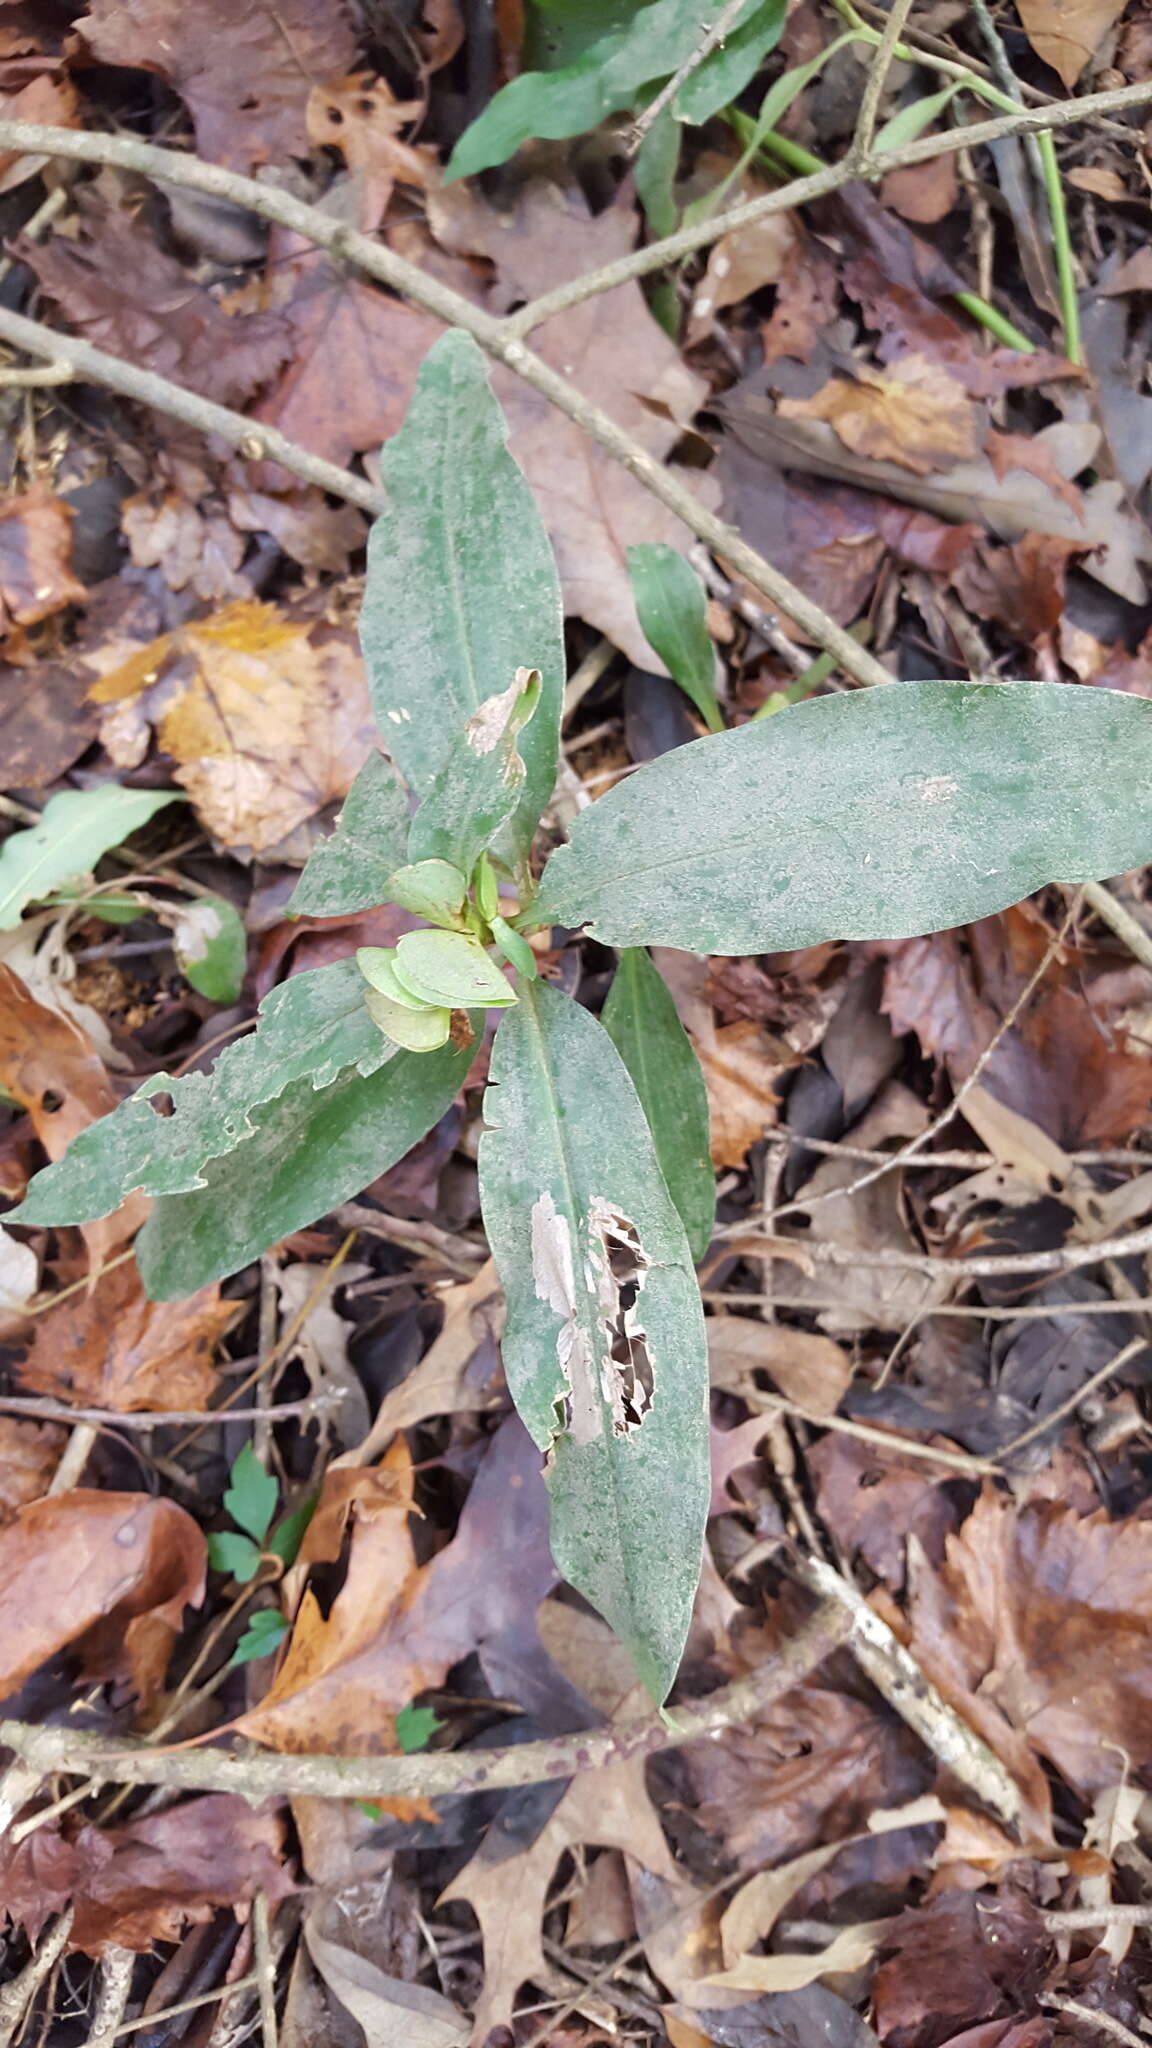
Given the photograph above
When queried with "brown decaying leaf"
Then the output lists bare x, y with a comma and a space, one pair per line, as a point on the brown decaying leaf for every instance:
197, 547
1134, 275
362, 118
45, 721
915, 414
923, 193
35, 557
52, 1069
136, 1885
955, 1961
245, 75
1067, 33
617, 354
1045, 1617
109, 1573
608, 1808
741, 262
112, 1348
267, 715
873, 1500
29, 1455
806, 1368
50, 101
1060, 1065
354, 357
118, 289
807, 297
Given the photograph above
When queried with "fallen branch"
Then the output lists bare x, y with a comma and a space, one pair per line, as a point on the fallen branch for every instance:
437, 1773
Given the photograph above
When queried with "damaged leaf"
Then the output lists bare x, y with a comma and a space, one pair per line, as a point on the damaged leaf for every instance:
350, 869
480, 785
604, 1349
879, 814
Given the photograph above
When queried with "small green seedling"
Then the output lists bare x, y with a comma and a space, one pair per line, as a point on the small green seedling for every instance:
251, 1499
875, 814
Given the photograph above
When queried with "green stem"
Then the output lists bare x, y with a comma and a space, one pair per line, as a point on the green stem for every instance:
1061, 249
782, 149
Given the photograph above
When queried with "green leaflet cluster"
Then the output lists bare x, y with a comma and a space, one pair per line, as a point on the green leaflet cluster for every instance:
871, 814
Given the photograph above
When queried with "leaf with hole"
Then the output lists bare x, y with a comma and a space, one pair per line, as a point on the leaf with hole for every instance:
310, 1150
311, 1029
349, 870
880, 814
641, 1020
75, 830
673, 612
462, 588
604, 1347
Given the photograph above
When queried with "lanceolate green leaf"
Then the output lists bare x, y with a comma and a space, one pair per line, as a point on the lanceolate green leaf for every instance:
640, 1019
612, 74
604, 1348
462, 588
311, 1150
881, 814
75, 830
349, 870
311, 1029
671, 607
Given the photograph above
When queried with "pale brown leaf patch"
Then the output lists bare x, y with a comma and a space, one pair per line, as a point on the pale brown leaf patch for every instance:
740, 263
914, 414
110, 1573
112, 1348
362, 118
267, 715
29, 1455
36, 576
1067, 33
922, 193
811, 1370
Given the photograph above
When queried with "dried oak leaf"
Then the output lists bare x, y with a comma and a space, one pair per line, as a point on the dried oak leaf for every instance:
245, 74
119, 290
132, 1886
29, 1455
915, 414
1046, 1618
956, 1961
109, 1347
618, 356
354, 356
108, 1573
1067, 33
362, 118
35, 558
267, 715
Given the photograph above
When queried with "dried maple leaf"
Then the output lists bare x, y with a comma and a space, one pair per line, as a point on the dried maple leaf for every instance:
197, 547
615, 352
267, 715
362, 118
120, 290
133, 1886
35, 558
915, 414
354, 357
1067, 33
112, 1348
110, 1573
244, 74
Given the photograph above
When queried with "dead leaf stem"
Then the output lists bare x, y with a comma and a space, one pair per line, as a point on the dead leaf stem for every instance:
258, 1776
860, 152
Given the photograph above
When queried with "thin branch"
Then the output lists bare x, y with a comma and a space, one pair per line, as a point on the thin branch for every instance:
41, 376
980, 1266
435, 1773
860, 152
709, 41
1084, 1393
1025, 1312
1112, 912
42, 1410
884, 1439
250, 437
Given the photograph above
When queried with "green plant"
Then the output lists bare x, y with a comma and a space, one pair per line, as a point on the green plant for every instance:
875, 814
250, 1499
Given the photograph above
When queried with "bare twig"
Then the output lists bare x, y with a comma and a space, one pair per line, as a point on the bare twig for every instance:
265, 1969
709, 41
980, 1266
1092, 2016
877, 79
1068, 1407
37, 377
1111, 911
153, 2020
44, 1410
885, 1439
1026, 1312
250, 438
258, 1776
18, 1994
1071, 1919
115, 1982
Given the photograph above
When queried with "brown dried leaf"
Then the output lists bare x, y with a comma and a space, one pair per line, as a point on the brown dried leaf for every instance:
1067, 33
143, 1883
617, 354
1135, 275
954, 1962
362, 118
112, 1348
35, 557
807, 298
810, 1370
873, 1500
110, 1573
267, 715
245, 75
1046, 1616
197, 547
119, 290
916, 415
922, 193
29, 1455
740, 263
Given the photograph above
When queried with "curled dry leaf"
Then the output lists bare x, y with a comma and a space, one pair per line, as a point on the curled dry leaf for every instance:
109, 1347
107, 1573
873, 1500
1067, 33
267, 716
915, 414
35, 557
810, 1370
132, 1886
741, 262
29, 1455
245, 76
